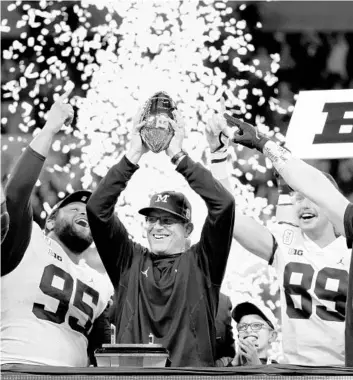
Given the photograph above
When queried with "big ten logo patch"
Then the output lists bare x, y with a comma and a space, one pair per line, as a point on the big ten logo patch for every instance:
338, 127
294, 251
55, 255
288, 237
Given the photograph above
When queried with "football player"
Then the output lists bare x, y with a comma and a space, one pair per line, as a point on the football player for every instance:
312, 266
311, 183
50, 298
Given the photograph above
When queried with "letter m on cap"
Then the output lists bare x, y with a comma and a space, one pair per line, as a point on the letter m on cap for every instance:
162, 198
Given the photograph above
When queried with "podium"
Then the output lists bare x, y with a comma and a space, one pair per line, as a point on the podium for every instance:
131, 355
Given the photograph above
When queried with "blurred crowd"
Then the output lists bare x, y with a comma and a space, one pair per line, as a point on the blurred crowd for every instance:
296, 61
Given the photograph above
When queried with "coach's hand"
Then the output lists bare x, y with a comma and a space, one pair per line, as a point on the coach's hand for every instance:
59, 114
247, 135
137, 147
176, 143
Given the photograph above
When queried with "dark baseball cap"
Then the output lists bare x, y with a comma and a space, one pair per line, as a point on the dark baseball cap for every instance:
247, 308
170, 201
78, 196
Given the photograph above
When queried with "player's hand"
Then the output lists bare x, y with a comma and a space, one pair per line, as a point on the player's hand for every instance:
217, 140
217, 131
176, 143
59, 114
247, 135
249, 351
137, 147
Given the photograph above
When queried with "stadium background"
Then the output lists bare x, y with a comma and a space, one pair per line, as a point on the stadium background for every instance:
117, 54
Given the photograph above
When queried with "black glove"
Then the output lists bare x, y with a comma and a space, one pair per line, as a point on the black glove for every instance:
247, 135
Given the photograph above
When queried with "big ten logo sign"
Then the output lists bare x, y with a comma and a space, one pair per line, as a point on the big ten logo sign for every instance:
338, 127
321, 126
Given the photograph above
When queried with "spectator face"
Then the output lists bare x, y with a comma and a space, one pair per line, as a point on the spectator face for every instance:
261, 337
166, 233
310, 216
71, 227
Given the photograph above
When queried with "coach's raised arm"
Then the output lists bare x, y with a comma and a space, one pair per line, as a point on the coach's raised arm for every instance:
171, 290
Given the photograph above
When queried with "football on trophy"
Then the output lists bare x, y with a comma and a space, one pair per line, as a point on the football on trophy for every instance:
157, 131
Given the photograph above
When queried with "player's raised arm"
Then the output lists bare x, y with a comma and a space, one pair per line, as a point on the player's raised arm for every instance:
5, 221
22, 181
299, 175
253, 236
217, 231
109, 234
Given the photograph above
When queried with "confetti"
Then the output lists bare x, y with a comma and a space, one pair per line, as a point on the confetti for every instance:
116, 55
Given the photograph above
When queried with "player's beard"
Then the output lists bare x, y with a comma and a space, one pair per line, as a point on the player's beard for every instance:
74, 241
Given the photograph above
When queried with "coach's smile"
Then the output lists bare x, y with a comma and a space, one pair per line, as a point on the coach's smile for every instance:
166, 233
160, 236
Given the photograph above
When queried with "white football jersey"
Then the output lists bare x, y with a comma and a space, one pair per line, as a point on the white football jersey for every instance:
313, 285
48, 306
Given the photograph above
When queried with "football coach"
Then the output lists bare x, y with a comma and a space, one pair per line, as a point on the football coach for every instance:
170, 290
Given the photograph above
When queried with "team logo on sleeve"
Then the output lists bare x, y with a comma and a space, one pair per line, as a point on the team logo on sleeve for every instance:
288, 237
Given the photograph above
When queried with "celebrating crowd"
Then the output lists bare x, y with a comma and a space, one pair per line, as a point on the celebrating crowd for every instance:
56, 310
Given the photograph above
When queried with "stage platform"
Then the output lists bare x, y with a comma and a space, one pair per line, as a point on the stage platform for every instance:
278, 372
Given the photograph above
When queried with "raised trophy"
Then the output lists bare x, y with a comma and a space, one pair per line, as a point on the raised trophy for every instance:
157, 131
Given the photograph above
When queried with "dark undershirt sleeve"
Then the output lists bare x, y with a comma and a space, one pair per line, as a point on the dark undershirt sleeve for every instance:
18, 201
274, 249
4, 221
348, 224
348, 228
100, 334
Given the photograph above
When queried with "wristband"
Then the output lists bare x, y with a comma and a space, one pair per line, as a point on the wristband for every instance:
219, 166
176, 157
219, 156
260, 144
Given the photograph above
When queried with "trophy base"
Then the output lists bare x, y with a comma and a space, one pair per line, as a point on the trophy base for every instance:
131, 355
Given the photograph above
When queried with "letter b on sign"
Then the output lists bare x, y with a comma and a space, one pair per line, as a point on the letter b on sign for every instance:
331, 132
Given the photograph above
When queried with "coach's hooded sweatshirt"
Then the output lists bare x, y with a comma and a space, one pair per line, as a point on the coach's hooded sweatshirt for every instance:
173, 297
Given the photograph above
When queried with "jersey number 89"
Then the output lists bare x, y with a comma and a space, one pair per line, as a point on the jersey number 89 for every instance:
64, 296
339, 276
